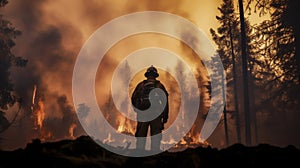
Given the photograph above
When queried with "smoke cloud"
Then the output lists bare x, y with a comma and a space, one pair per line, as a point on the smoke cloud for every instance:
52, 35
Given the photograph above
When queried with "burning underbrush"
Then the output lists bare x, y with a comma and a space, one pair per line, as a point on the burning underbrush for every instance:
52, 129
65, 128
128, 127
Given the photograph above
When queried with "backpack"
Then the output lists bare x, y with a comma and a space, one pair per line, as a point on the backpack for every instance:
142, 99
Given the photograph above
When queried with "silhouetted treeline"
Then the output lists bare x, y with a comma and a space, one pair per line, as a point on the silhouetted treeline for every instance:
272, 67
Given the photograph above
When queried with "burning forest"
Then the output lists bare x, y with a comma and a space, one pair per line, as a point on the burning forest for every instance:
42, 43
41, 121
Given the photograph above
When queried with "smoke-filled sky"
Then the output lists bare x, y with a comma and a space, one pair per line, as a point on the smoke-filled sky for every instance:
53, 33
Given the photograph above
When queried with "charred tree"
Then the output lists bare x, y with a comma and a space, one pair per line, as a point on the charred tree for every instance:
235, 97
245, 75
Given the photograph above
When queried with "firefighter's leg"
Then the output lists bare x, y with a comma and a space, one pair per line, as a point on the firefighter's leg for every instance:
156, 127
141, 131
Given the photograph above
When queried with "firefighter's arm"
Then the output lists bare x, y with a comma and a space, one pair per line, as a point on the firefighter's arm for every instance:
135, 94
165, 114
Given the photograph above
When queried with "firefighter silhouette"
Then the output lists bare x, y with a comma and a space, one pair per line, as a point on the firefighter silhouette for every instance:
140, 100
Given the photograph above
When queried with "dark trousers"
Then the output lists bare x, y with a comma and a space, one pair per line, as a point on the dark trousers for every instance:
156, 126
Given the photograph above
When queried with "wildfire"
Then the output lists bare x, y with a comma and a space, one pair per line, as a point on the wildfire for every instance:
121, 128
33, 97
190, 140
38, 110
108, 139
38, 115
45, 135
125, 126
71, 130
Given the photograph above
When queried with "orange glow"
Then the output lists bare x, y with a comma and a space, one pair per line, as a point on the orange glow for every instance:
76, 25
45, 135
71, 130
33, 97
121, 128
39, 115
125, 126
108, 139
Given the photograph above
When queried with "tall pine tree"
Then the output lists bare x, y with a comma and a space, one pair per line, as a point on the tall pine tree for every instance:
228, 48
8, 33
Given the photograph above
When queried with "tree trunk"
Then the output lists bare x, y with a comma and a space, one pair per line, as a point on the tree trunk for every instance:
245, 75
224, 110
236, 108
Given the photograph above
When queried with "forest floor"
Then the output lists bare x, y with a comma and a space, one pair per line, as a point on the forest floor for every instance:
84, 152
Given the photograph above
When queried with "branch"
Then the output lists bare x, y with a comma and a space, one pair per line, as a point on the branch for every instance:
12, 121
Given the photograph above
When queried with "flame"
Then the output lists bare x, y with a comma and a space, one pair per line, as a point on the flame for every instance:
71, 130
171, 141
45, 135
108, 139
33, 97
190, 140
121, 128
125, 126
38, 110
39, 115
